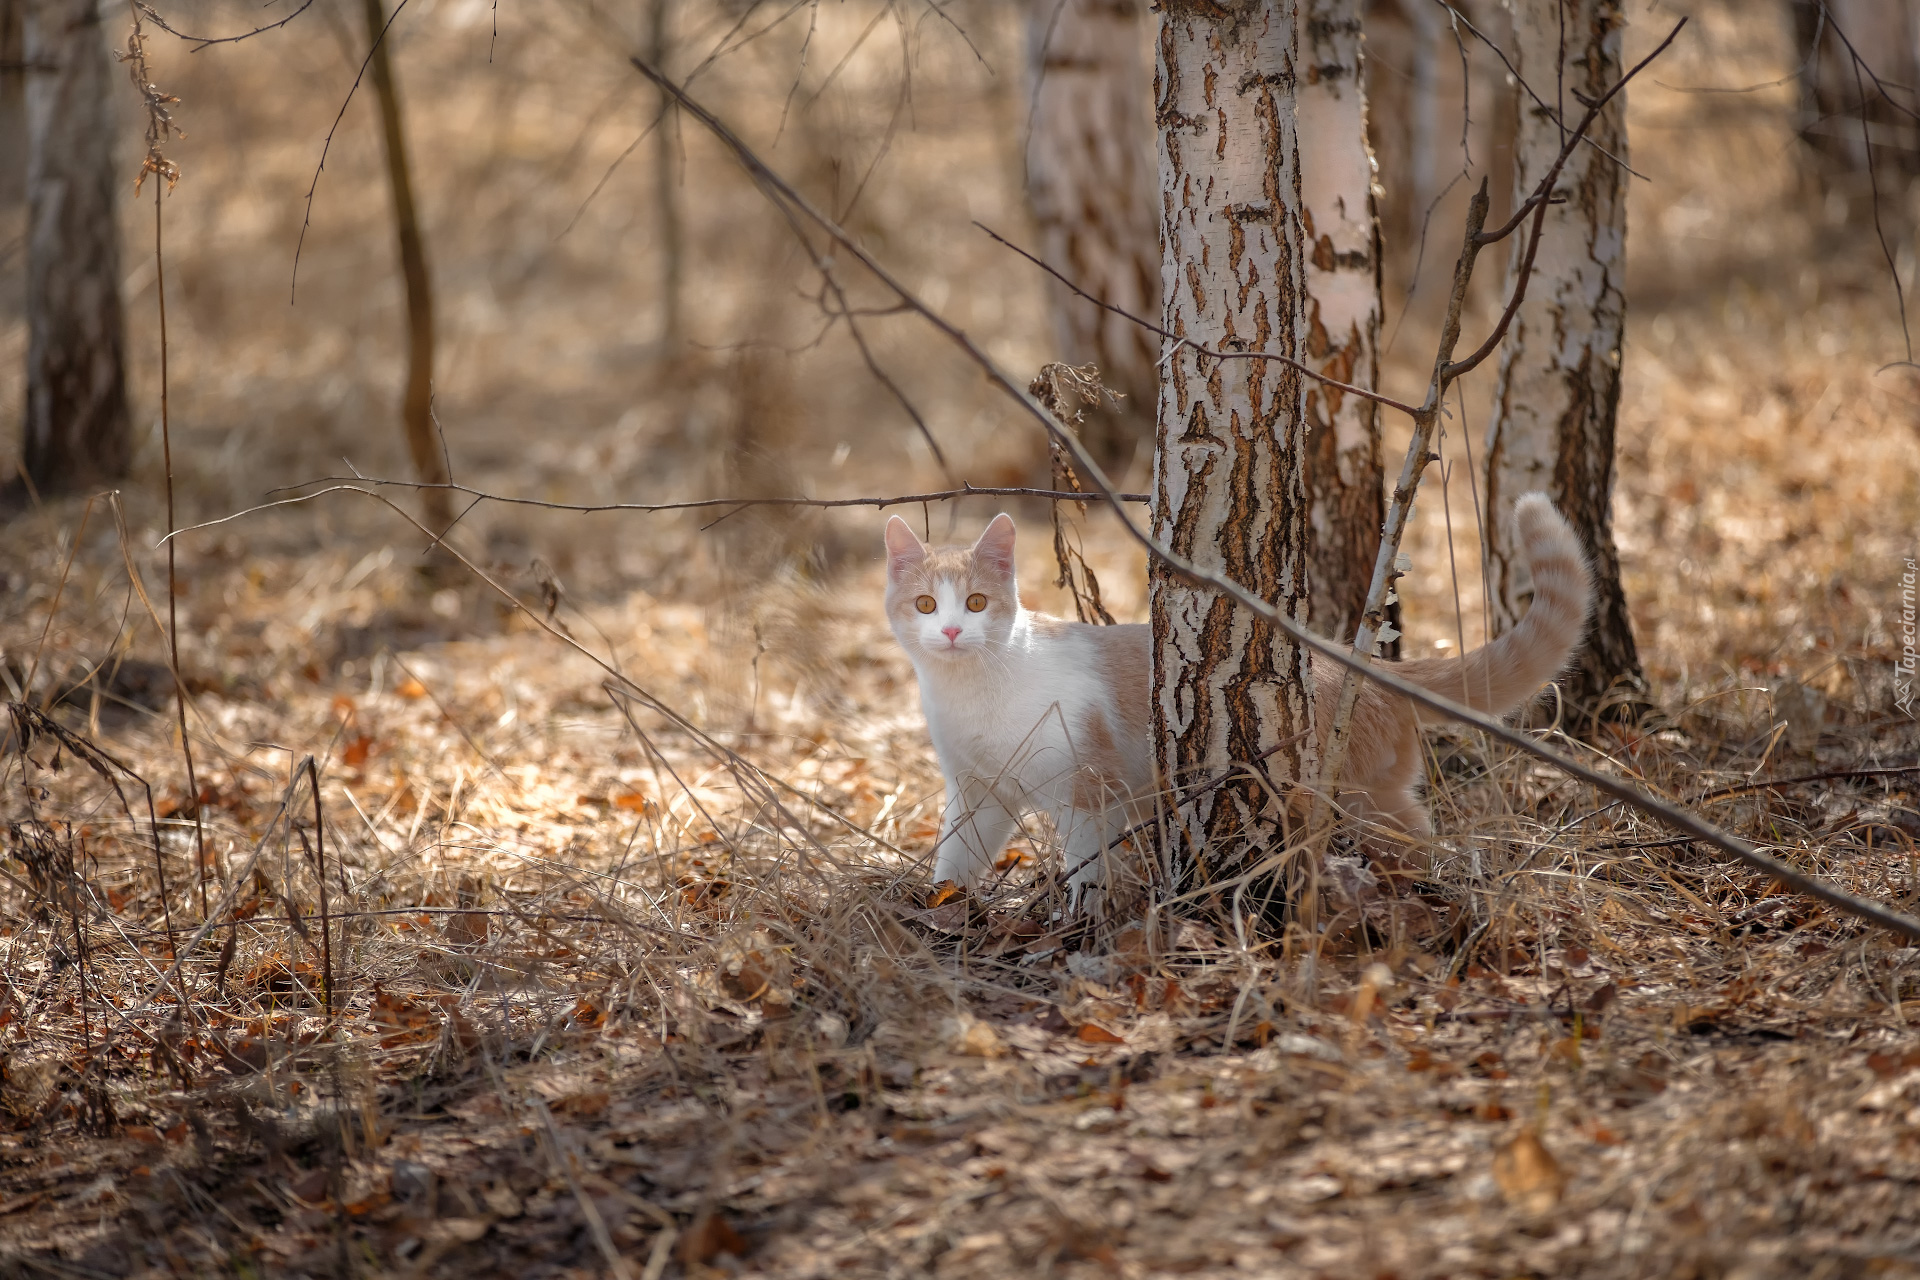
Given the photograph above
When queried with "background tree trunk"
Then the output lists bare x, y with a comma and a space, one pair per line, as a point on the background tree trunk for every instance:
1229, 473
1834, 93
423, 442
1092, 192
1342, 273
1559, 386
76, 430
666, 199
13, 145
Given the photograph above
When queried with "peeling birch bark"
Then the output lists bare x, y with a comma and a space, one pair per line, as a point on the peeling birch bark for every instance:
1342, 265
1091, 185
1559, 387
1229, 469
76, 430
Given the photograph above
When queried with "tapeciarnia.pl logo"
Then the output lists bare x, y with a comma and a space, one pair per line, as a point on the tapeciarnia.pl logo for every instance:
1904, 669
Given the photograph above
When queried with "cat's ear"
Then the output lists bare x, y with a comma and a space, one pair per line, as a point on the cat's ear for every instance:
995, 547
904, 548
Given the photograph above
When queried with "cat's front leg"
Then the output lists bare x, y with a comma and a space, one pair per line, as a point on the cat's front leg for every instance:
1087, 861
1393, 828
976, 828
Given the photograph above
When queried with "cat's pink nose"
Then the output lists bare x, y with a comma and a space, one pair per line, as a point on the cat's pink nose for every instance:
951, 633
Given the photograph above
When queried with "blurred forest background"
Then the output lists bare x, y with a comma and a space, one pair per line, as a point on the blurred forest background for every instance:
624, 321
622, 317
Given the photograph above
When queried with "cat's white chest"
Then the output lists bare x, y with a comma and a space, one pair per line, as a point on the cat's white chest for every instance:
1010, 722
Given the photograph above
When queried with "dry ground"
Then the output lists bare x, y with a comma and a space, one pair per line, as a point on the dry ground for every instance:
629, 953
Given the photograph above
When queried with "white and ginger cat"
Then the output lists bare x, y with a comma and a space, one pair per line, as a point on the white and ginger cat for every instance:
1030, 713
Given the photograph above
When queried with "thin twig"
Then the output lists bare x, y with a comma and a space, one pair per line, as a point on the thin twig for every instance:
1832, 775
160, 126
945, 495
202, 42
1520, 80
29, 722
1388, 563
320, 873
306, 217
1151, 327
1873, 187
53, 608
1579, 131
240, 881
596, 1225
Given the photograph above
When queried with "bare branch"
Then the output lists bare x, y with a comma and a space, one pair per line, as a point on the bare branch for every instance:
1873, 184
351, 484
202, 42
1461, 19
1151, 327
306, 218
1830, 775
1455, 369
1386, 564
1545, 186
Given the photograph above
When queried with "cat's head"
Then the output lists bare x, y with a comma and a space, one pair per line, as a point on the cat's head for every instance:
951, 603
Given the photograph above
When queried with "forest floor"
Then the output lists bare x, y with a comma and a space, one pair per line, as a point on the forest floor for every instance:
589, 982
606, 948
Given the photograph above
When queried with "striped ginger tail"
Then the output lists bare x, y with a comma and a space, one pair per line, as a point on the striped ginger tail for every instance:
1498, 677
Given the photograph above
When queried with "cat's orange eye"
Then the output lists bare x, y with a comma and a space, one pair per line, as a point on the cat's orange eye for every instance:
926, 604
976, 603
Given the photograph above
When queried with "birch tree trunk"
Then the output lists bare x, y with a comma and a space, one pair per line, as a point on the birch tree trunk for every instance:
1229, 469
1559, 386
76, 430
1091, 185
1342, 273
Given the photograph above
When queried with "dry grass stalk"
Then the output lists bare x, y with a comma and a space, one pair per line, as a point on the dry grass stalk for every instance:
1058, 387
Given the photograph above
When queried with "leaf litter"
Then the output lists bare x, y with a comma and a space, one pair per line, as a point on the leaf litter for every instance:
604, 984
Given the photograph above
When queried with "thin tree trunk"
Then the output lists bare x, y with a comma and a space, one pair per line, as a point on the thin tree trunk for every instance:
665, 198
1835, 94
1431, 113
1344, 477
76, 415
1229, 469
423, 442
1559, 386
13, 118
1092, 193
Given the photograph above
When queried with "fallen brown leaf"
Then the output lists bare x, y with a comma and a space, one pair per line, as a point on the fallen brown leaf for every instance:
707, 1239
975, 1039
310, 1187
1528, 1176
